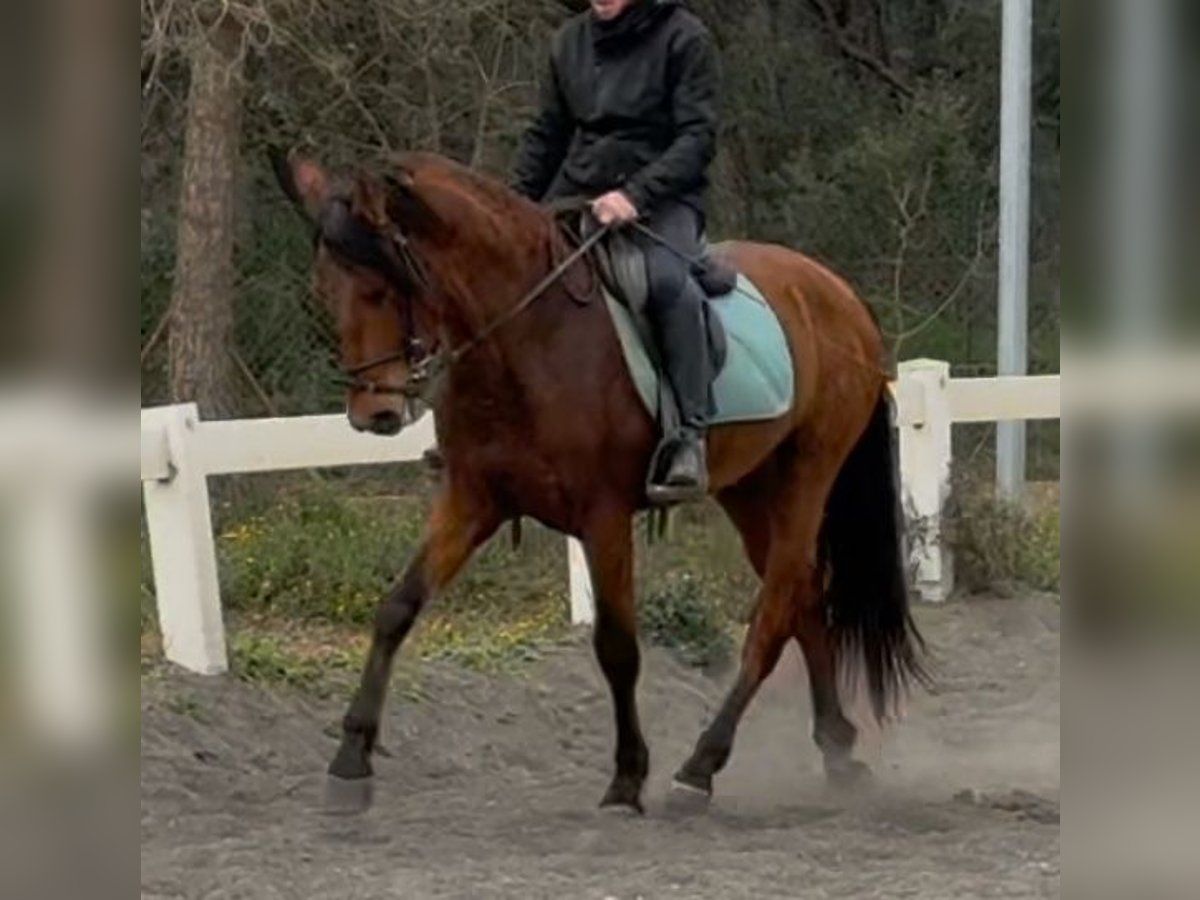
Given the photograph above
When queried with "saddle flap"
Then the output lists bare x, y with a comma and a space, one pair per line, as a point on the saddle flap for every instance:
622, 266
622, 262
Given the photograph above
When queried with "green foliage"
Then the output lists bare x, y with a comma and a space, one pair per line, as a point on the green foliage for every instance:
1000, 542
702, 543
683, 616
494, 639
895, 189
314, 555
302, 573
265, 658
319, 557
186, 705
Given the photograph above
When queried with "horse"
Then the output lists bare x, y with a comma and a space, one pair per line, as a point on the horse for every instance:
441, 276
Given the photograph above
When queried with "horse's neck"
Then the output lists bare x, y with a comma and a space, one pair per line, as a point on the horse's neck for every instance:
514, 373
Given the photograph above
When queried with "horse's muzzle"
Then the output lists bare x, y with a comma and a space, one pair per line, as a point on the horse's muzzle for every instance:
388, 420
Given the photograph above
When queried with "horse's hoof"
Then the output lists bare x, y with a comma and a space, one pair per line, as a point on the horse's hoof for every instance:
848, 774
621, 809
348, 796
687, 799
623, 796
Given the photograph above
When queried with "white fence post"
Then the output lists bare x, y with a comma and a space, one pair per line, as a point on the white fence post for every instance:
583, 609
59, 611
925, 472
181, 543
60, 454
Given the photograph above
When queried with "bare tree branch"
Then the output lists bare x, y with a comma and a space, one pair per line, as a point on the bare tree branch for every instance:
954, 293
859, 54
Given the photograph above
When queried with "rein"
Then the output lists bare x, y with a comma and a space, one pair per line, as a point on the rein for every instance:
426, 369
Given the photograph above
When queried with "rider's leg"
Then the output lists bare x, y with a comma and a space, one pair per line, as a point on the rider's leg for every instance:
676, 309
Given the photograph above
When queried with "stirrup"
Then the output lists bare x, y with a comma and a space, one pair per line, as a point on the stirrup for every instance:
658, 492
674, 494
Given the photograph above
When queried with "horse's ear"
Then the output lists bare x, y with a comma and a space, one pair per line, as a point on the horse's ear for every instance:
304, 181
404, 206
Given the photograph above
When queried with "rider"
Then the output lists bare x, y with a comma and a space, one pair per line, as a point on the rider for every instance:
628, 116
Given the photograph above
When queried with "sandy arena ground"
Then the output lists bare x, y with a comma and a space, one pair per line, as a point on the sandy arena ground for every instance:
491, 787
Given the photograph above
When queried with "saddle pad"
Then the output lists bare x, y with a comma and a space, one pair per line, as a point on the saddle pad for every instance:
757, 380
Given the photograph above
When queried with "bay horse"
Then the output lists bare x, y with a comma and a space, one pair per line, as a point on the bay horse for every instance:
424, 259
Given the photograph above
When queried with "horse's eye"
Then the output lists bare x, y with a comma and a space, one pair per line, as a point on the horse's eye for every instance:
375, 296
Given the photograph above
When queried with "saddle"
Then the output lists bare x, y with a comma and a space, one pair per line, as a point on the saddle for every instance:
621, 263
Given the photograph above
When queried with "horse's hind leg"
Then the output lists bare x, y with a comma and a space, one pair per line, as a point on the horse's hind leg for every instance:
764, 642
608, 543
833, 733
795, 517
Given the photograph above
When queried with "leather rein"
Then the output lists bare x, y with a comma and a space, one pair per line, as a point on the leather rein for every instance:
426, 367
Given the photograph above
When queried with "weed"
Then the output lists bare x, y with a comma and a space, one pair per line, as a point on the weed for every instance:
997, 541
186, 705
683, 616
264, 658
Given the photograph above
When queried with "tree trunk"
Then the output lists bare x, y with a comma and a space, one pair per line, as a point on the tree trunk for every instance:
202, 298
72, 330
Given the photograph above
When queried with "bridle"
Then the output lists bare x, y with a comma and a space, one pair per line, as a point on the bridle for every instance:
413, 352
426, 366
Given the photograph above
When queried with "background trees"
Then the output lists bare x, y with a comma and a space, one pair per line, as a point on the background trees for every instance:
861, 131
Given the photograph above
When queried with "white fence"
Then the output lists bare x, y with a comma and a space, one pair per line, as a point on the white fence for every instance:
179, 452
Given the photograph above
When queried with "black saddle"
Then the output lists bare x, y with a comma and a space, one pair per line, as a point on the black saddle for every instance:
621, 262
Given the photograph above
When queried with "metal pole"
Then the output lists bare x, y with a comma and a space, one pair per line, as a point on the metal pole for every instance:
1139, 160
1012, 316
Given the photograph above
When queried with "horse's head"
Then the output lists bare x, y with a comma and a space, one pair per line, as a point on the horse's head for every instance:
373, 284
424, 252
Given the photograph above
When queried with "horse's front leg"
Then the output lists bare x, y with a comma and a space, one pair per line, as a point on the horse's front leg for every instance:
608, 543
459, 523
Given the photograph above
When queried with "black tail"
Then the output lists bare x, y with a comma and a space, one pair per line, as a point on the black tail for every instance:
862, 552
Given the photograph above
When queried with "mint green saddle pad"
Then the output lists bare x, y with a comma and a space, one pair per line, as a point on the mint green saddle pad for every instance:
756, 381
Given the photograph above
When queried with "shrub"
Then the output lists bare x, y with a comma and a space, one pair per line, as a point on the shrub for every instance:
684, 617
703, 543
996, 541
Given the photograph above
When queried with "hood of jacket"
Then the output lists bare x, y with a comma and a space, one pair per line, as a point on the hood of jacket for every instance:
628, 29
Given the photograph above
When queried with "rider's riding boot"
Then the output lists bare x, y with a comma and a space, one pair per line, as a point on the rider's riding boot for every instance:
688, 471
684, 340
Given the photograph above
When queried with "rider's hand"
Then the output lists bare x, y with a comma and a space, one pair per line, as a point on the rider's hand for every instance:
614, 208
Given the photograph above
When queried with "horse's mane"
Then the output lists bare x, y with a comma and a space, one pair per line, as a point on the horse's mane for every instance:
453, 194
483, 189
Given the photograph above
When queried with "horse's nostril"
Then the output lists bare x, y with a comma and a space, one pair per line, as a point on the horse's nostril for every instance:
386, 421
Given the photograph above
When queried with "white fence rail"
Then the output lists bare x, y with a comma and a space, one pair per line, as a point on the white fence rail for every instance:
179, 452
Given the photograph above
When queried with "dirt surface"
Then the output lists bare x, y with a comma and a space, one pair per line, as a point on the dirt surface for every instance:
492, 785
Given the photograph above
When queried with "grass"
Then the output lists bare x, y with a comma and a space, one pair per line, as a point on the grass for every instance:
301, 575
303, 570
323, 659
267, 657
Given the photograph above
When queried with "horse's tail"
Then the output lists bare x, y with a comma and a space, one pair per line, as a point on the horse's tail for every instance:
862, 554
